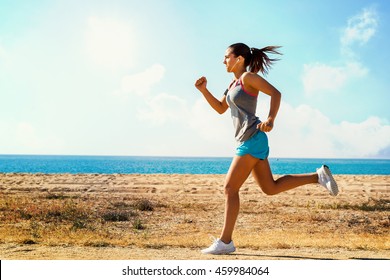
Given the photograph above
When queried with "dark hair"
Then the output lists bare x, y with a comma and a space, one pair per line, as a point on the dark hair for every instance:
256, 59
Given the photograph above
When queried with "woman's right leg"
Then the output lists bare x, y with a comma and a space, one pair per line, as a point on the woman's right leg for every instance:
239, 171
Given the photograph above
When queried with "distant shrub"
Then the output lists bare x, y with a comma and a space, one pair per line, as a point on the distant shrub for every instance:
117, 216
98, 244
144, 205
29, 242
79, 224
137, 224
56, 196
371, 205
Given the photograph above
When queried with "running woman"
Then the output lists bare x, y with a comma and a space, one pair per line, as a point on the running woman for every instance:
252, 150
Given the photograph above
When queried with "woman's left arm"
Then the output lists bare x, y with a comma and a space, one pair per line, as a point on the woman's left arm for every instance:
254, 82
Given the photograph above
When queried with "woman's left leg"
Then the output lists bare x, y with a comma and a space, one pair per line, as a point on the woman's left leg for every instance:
263, 176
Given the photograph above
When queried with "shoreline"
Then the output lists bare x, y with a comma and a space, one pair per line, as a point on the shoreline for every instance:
276, 175
167, 156
48, 164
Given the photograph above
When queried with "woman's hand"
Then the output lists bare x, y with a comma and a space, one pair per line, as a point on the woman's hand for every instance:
201, 83
266, 126
218, 105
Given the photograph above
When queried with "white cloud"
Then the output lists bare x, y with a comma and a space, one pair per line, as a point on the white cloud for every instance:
210, 125
163, 108
3, 52
367, 138
302, 131
205, 132
32, 140
318, 77
25, 138
110, 43
213, 130
306, 132
26, 135
142, 82
361, 28
200, 117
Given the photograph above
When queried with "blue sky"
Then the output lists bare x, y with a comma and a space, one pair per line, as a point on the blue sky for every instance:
116, 77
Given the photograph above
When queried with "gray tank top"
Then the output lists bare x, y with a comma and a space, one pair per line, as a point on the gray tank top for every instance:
243, 109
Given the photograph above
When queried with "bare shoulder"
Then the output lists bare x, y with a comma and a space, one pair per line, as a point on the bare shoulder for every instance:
252, 79
249, 75
255, 82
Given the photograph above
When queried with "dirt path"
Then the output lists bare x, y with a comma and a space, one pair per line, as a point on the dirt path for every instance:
26, 252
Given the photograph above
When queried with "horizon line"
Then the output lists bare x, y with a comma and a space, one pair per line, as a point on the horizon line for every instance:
200, 156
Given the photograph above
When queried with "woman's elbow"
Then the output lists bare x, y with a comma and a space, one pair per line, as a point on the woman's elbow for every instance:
220, 111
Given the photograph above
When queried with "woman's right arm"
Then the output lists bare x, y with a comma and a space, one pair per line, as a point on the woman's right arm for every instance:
218, 105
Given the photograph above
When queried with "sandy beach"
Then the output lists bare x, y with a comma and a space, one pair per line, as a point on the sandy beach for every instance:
94, 216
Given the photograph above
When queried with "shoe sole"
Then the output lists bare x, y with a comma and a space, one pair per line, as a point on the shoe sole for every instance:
220, 252
334, 189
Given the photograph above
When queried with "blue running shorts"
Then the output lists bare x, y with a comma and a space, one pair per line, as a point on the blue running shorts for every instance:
256, 146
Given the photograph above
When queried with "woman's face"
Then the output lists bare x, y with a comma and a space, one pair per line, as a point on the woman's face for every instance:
230, 60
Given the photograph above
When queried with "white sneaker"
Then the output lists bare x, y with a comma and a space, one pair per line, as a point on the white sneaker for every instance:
219, 247
326, 179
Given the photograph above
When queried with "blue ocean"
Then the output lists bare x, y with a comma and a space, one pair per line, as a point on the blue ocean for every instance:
178, 165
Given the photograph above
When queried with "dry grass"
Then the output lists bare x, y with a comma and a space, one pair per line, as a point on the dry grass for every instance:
54, 219
58, 219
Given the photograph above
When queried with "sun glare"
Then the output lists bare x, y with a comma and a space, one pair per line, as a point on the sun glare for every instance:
110, 42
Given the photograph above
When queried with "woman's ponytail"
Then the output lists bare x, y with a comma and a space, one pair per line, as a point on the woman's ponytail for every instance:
260, 61
255, 59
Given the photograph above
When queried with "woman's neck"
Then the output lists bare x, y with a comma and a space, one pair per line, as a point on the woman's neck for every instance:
238, 73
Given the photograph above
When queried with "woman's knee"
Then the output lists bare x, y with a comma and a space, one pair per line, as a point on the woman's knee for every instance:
269, 189
231, 190
269, 192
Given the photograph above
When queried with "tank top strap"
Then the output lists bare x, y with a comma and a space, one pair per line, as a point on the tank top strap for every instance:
231, 84
243, 88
